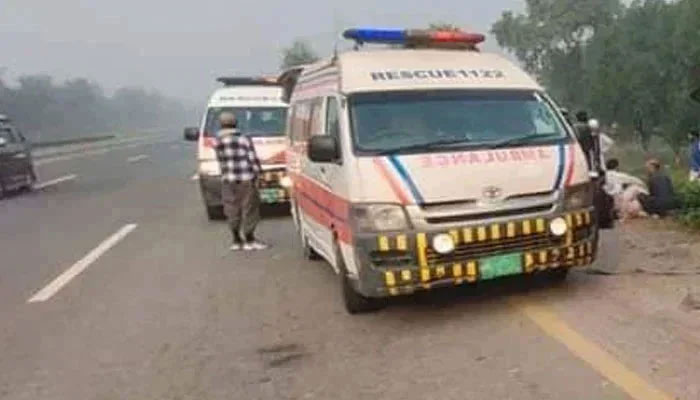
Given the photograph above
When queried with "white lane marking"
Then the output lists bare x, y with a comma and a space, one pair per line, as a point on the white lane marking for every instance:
137, 158
42, 185
49, 160
195, 177
62, 280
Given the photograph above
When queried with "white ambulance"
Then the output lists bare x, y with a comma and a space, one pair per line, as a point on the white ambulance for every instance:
431, 164
261, 114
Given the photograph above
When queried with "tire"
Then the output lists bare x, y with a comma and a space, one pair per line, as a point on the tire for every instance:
215, 213
354, 302
30, 180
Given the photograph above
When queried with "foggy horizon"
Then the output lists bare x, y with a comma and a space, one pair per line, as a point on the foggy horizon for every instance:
179, 50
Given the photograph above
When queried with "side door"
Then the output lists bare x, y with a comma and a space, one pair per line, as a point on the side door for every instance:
319, 189
332, 174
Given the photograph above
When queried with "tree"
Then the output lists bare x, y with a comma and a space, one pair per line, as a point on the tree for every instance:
628, 65
78, 107
299, 53
549, 39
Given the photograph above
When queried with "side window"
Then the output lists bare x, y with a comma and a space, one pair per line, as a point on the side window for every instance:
315, 127
332, 117
300, 122
290, 123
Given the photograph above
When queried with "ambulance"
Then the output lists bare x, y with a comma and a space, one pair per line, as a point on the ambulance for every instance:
261, 114
427, 163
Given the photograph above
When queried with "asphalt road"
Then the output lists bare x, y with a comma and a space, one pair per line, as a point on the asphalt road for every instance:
113, 285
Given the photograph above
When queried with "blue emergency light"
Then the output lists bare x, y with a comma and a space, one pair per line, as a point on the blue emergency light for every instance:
410, 37
370, 35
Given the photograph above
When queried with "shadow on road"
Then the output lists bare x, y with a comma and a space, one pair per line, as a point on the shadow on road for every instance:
482, 293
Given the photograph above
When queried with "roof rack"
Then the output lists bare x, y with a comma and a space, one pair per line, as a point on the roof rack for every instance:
246, 80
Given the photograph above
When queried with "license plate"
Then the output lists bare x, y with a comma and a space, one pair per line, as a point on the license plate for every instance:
272, 195
498, 266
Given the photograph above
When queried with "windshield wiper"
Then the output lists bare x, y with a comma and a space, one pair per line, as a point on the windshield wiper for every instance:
441, 144
522, 140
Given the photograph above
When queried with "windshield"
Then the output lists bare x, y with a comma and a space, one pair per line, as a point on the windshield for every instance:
253, 121
420, 121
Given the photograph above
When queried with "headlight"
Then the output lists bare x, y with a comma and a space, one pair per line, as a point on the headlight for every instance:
210, 168
379, 217
286, 182
558, 226
579, 196
443, 244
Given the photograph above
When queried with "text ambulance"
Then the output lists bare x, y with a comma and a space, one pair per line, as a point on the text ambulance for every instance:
261, 114
431, 164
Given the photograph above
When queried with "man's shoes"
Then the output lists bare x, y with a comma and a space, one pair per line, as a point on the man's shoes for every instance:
236, 246
254, 245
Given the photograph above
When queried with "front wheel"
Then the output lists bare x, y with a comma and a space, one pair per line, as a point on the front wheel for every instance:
354, 302
29, 181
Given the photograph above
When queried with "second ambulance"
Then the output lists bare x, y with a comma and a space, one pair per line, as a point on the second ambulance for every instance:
261, 114
429, 164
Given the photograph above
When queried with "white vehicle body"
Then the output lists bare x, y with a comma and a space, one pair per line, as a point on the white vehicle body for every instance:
396, 221
261, 114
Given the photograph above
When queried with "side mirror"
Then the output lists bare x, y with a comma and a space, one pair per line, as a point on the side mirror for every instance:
191, 134
323, 149
3, 142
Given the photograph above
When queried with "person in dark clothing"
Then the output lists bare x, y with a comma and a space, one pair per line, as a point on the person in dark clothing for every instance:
585, 136
662, 197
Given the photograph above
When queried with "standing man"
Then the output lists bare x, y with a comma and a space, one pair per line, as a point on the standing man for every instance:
240, 169
694, 162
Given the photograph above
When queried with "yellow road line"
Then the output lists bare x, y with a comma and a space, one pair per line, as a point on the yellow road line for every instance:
586, 350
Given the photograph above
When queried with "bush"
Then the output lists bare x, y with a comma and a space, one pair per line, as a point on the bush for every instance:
689, 195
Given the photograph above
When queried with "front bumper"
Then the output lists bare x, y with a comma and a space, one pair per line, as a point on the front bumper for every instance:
270, 189
403, 263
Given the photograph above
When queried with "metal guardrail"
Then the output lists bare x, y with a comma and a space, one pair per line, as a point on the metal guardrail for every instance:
66, 142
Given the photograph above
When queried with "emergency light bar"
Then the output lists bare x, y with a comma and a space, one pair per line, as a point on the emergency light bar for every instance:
412, 37
242, 81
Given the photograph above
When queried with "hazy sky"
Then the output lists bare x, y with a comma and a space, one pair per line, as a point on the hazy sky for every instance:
180, 46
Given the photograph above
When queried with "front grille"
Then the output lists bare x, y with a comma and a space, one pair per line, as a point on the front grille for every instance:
470, 251
391, 258
490, 214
